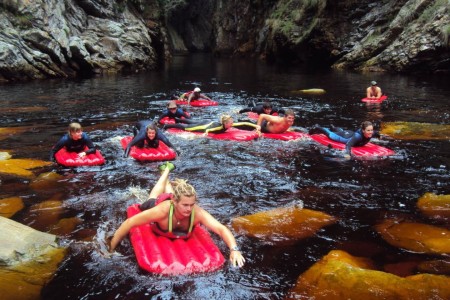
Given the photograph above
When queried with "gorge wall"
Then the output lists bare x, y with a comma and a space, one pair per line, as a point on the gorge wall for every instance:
51, 38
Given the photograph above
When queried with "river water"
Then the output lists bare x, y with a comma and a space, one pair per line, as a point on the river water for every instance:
232, 178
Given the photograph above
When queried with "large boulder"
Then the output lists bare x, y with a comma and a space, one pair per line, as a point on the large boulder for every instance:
28, 260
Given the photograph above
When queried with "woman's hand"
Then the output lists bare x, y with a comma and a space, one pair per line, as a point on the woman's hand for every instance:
81, 154
236, 258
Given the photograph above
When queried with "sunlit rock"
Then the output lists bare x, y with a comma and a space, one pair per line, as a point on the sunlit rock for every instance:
342, 276
435, 206
46, 181
310, 91
282, 225
21, 167
4, 155
65, 226
28, 259
416, 131
6, 132
9, 206
415, 237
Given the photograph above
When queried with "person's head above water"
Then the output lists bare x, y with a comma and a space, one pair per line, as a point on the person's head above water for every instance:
75, 130
367, 129
182, 189
151, 130
226, 121
172, 105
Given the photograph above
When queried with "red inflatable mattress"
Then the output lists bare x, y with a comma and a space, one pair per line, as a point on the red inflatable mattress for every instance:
368, 149
198, 103
71, 159
163, 152
158, 254
373, 100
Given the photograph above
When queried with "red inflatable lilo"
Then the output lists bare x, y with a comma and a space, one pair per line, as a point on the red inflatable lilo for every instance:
158, 254
368, 149
374, 100
163, 152
198, 103
71, 159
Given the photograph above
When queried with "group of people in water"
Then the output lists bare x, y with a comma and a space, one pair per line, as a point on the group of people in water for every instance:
175, 218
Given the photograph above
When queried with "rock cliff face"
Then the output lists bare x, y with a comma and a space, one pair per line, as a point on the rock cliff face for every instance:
51, 38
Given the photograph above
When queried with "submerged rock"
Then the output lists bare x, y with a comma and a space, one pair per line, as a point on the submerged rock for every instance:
282, 225
415, 237
435, 206
342, 276
46, 214
47, 181
416, 131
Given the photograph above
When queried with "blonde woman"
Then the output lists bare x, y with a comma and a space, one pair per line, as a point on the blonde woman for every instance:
176, 217
226, 122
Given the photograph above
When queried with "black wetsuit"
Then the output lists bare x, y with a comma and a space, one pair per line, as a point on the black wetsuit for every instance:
73, 146
141, 139
179, 113
347, 137
259, 109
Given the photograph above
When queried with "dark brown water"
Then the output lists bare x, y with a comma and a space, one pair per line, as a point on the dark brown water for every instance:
232, 179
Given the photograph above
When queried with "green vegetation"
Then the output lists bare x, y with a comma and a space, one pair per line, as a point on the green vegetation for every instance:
431, 10
288, 17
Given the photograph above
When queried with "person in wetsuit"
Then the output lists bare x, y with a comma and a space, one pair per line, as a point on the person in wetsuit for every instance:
350, 138
173, 112
146, 134
194, 95
225, 123
373, 91
176, 217
75, 140
264, 108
